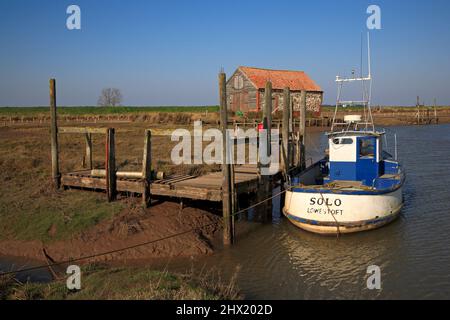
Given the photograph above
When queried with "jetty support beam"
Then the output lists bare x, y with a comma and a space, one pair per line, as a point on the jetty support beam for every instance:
227, 211
265, 190
302, 130
285, 150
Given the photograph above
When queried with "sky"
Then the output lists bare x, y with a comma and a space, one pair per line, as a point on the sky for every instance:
170, 52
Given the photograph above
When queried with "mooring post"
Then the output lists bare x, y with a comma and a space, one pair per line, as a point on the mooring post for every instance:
147, 169
435, 113
54, 136
267, 114
111, 165
285, 150
285, 146
227, 208
265, 189
302, 129
291, 133
88, 137
418, 110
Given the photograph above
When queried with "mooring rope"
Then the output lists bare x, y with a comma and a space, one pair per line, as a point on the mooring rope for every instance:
332, 214
89, 257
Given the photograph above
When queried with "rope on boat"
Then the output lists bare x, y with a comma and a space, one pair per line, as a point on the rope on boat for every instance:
332, 214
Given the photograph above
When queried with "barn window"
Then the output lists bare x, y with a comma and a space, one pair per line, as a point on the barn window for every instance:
238, 82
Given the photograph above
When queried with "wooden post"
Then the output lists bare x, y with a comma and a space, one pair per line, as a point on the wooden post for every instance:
264, 210
227, 209
285, 150
418, 110
291, 133
435, 113
147, 168
88, 137
285, 146
54, 136
110, 165
267, 113
302, 129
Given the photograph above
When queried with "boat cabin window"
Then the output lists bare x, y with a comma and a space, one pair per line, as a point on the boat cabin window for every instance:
343, 141
366, 148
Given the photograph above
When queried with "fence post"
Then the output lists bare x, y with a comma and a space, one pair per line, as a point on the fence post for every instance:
227, 211
88, 138
147, 168
54, 136
111, 177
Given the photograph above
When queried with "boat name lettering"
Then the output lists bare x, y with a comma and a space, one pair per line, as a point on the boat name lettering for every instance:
326, 201
325, 211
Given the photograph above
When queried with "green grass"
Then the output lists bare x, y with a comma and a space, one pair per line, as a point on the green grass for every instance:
30, 111
101, 283
68, 214
29, 207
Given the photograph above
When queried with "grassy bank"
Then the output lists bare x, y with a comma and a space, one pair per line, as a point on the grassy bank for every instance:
103, 283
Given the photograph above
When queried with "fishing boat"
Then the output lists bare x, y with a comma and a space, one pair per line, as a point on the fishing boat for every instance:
357, 186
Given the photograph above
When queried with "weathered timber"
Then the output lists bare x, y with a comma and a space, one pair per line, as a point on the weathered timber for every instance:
228, 219
285, 150
119, 174
207, 187
302, 130
264, 211
83, 130
54, 136
79, 181
111, 177
88, 157
147, 168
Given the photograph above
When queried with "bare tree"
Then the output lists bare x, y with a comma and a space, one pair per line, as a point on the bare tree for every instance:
110, 97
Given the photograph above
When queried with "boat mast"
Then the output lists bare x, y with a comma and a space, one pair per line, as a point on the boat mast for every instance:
366, 96
370, 81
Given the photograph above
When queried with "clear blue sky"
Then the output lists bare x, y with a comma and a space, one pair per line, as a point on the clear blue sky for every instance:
169, 52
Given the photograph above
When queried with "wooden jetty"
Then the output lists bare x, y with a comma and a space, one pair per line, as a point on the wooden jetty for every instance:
224, 186
206, 187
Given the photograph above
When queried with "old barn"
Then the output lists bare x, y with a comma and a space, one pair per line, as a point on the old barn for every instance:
245, 89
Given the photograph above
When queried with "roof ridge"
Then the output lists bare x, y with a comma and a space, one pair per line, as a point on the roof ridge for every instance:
284, 70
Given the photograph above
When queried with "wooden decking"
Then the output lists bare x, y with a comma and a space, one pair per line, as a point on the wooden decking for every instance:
205, 187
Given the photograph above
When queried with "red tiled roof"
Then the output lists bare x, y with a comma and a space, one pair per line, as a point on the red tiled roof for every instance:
295, 80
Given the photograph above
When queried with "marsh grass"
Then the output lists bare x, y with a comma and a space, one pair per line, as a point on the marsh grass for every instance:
102, 283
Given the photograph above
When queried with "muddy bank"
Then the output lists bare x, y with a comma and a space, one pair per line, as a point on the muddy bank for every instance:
134, 225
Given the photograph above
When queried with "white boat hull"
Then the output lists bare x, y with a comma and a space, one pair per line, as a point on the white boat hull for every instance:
337, 212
